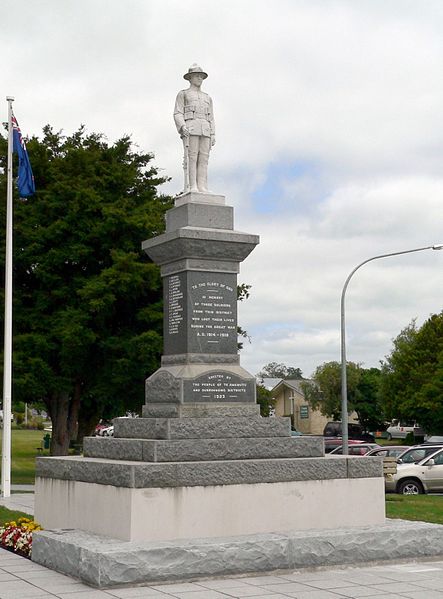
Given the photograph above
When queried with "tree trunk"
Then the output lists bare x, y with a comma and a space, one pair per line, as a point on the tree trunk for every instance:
88, 419
63, 411
58, 410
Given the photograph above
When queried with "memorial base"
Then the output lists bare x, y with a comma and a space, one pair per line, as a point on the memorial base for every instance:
157, 514
104, 562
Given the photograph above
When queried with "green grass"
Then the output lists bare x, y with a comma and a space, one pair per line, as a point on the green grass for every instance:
24, 445
9, 515
424, 508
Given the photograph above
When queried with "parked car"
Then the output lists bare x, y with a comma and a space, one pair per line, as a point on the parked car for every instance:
332, 443
416, 453
359, 448
106, 432
433, 440
1, 416
355, 431
400, 428
418, 477
295, 432
332, 435
388, 451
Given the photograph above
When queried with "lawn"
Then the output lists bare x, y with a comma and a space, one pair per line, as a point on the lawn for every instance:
10, 515
424, 508
24, 451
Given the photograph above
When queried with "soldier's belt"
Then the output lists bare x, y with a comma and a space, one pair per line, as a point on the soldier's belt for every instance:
196, 115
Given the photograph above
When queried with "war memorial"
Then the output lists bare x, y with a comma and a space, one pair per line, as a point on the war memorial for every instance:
201, 485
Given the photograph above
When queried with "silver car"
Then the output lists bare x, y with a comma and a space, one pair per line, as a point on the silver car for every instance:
418, 477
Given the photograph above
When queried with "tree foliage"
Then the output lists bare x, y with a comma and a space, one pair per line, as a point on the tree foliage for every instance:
265, 400
280, 371
412, 375
87, 301
324, 392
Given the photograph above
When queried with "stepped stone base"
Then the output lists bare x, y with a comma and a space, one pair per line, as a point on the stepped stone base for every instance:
106, 562
201, 428
192, 450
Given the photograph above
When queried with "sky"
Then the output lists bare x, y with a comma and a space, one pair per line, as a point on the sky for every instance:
329, 143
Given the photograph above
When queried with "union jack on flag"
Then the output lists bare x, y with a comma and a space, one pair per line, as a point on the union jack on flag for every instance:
25, 179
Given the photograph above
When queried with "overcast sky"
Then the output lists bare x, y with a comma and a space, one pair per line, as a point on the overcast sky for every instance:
329, 142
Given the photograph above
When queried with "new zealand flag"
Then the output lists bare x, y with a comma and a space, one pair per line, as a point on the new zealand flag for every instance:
25, 180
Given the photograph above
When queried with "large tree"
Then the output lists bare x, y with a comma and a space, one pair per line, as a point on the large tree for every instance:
280, 371
324, 392
87, 300
412, 375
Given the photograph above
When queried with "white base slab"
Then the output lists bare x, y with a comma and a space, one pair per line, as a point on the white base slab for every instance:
158, 514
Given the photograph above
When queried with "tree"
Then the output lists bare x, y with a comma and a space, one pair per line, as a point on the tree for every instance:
265, 400
280, 371
412, 375
87, 301
367, 402
324, 392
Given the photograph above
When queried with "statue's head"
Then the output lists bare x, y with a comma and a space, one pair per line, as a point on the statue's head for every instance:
195, 72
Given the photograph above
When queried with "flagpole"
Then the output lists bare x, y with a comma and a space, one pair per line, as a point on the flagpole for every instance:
7, 356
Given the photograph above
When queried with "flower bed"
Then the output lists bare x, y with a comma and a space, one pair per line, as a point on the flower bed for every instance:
17, 536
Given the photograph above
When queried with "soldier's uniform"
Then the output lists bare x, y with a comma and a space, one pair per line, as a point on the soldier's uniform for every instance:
193, 110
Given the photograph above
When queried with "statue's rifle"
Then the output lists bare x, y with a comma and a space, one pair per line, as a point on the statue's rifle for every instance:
186, 163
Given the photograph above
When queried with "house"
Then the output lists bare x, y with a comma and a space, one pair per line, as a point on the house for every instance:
290, 401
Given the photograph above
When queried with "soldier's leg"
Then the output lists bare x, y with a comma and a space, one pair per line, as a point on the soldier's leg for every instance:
192, 159
202, 164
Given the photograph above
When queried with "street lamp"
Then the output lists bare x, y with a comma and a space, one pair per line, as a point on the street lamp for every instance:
344, 390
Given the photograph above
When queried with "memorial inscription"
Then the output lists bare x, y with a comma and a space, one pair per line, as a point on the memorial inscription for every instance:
175, 305
201, 313
219, 387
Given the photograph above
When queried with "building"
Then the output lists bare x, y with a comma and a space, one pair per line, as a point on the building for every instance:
290, 401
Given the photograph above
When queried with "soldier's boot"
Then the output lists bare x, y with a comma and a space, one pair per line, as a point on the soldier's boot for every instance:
202, 172
192, 157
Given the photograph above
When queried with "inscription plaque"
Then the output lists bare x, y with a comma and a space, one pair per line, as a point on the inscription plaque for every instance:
219, 387
200, 313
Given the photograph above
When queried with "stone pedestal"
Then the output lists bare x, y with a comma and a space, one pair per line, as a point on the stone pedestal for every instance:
201, 463
199, 256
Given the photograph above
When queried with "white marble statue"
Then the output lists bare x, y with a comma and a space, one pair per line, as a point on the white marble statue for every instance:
194, 119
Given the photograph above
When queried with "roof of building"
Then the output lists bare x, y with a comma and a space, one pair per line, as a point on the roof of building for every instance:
294, 384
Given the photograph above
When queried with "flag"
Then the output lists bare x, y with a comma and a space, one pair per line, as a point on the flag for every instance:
25, 179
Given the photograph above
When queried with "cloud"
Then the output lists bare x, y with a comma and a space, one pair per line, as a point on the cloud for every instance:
329, 141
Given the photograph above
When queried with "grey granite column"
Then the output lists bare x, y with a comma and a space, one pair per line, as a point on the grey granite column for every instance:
199, 255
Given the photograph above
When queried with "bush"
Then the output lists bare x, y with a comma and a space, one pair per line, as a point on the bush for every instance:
35, 423
19, 418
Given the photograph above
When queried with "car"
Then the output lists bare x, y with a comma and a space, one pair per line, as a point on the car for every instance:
106, 432
355, 449
388, 451
295, 433
400, 428
416, 453
433, 440
1, 416
355, 431
332, 443
417, 477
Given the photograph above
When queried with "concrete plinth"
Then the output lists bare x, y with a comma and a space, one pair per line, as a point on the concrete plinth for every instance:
208, 511
105, 562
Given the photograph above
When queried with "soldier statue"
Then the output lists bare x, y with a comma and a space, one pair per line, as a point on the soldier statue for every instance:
194, 120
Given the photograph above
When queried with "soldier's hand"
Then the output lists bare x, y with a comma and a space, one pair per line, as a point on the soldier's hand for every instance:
213, 141
184, 131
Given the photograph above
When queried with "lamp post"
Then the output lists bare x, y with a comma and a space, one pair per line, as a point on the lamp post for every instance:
344, 390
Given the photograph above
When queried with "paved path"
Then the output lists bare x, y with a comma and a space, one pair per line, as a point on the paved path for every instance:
23, 502
22, 579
